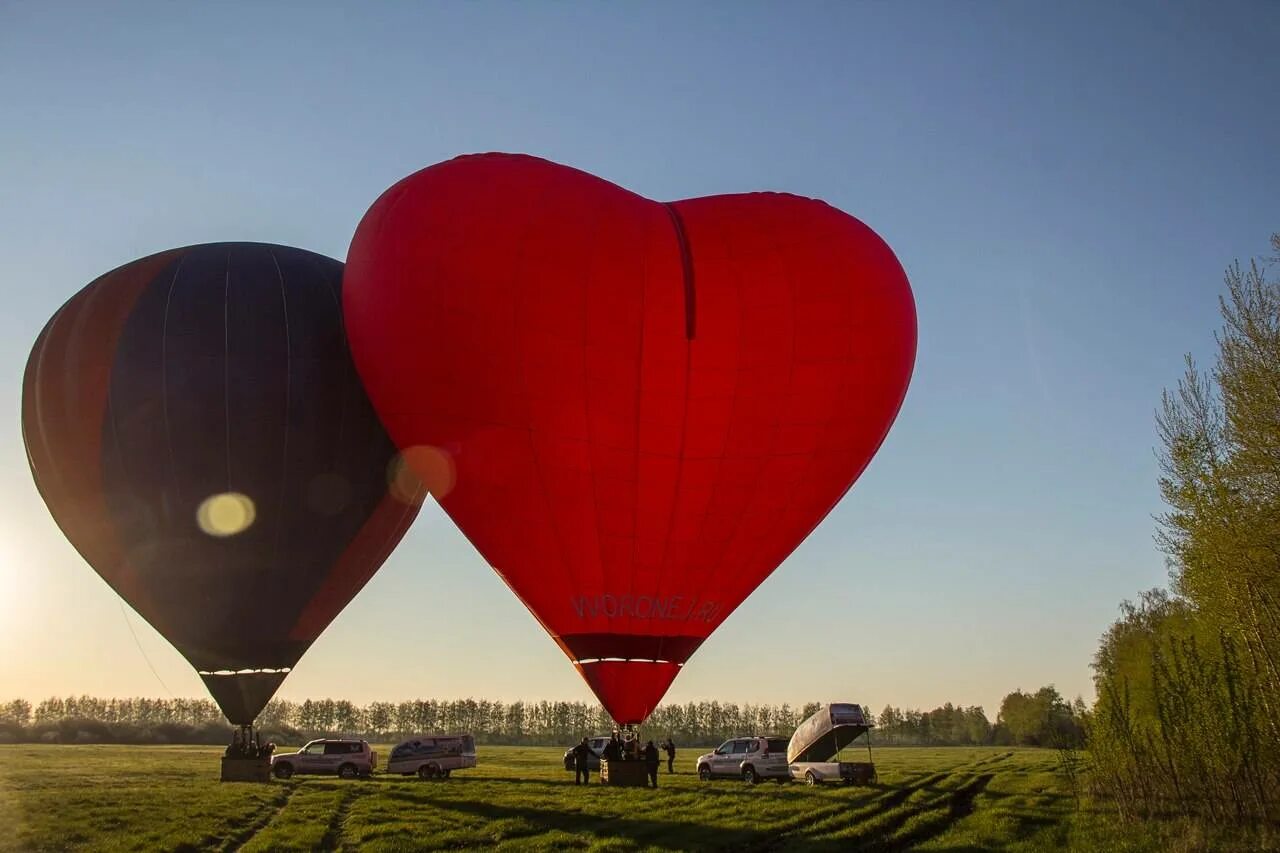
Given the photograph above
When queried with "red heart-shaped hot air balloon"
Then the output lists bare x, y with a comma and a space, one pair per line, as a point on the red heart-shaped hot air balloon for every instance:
634, 410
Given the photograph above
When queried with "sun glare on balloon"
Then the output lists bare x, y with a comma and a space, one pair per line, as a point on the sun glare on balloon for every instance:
419, 471
226, 514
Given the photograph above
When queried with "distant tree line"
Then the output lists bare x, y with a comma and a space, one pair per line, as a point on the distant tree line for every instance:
1042, 718
1025, 719
526, 723
87, 719
949, 725
1187, 720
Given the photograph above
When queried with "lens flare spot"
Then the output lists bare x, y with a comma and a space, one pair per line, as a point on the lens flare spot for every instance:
418, 470
226, 514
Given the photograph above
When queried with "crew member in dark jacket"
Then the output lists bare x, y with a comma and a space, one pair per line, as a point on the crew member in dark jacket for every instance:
651, 762
670, 749
582, 770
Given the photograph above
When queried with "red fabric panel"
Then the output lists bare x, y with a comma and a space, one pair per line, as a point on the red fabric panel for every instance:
629, 690
64, 406
533, 322
356, 565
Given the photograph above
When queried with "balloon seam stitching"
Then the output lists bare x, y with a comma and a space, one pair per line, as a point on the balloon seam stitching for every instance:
164, 383
288, 401
686, 263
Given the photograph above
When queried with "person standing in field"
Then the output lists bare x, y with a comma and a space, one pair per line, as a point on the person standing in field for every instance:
670, 749
581, 769
651, 762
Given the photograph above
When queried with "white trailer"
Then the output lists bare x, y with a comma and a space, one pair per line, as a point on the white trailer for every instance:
813, 755
432, 756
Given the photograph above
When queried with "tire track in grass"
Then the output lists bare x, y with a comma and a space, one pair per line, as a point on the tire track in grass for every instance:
940, 819
839, 815
932, 818
993, 759
333, 834
962, 800
880, 829
897, 798
240, 839
882, 824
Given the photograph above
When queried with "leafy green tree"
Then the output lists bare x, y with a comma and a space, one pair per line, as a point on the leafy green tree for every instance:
1042, 718
1188, 712
18, 712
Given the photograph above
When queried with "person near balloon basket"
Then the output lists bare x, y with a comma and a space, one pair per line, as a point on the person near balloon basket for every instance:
669, 748
651, 763
582, 770
613, 752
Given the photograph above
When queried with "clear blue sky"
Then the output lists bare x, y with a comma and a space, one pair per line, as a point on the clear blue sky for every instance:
1064, 184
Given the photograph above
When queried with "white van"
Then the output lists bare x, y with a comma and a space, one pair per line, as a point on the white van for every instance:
433, 756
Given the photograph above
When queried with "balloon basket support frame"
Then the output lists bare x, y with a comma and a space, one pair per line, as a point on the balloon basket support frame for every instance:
624, 774
240, 767
246, 769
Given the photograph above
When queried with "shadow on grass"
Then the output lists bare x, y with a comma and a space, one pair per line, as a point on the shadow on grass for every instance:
670, 835
278, 803
944, 816
893, 824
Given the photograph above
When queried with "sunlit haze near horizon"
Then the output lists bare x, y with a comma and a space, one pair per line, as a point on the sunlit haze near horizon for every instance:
1063, 183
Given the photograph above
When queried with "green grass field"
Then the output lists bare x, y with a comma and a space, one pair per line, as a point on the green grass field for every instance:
156, 797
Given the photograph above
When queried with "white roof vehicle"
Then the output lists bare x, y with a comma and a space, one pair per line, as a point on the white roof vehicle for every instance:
432, 756
814, 751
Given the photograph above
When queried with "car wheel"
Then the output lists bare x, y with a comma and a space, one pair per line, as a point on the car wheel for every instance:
810, 778
704, 773
444, 774
348, 771
750, 776
427, 771
282, 771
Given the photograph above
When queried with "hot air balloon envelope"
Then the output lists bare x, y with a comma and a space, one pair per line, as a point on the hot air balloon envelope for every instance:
195, 424
634, 410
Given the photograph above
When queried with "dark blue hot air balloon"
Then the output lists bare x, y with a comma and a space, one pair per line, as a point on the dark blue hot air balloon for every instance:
195, 424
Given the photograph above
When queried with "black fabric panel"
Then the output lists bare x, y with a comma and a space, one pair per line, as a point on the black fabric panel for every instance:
243, 696
232, 375
630, 646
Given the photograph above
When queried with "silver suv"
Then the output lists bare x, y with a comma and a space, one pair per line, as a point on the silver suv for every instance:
748, 758
346, 758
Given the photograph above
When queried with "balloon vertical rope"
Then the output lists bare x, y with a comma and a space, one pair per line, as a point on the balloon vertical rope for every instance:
142, 651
